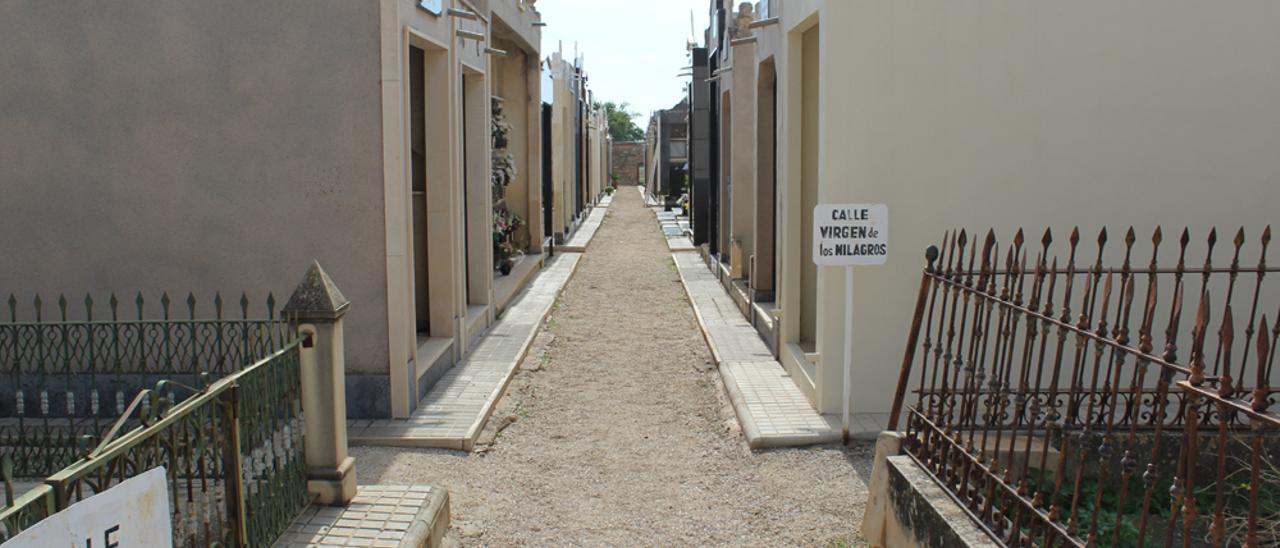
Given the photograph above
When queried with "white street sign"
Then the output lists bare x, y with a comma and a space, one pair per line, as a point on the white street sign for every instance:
850, 234
134, 512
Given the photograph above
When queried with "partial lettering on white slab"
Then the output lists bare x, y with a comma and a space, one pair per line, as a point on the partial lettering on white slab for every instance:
850, 234
134, 512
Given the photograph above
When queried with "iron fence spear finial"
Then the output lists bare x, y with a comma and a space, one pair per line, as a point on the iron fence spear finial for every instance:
1226, 335
1262, 390
1197, 341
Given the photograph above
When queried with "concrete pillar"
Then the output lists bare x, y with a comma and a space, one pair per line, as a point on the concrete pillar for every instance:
888, 444
315, 312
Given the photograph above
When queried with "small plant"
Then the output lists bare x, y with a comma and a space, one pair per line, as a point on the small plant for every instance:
505, 227
498, 125
503, 163
504, 172
1237, 491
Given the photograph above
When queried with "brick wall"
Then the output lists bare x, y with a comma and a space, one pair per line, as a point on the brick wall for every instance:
628, 162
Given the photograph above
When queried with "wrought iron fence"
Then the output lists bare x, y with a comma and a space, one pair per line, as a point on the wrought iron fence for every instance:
1052, 401
25, 510
233, 452
70, 375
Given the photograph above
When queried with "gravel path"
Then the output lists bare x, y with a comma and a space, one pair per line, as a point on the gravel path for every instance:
616, 430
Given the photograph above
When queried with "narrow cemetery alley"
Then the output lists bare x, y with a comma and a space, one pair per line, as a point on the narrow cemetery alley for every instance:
616, 429
830, 273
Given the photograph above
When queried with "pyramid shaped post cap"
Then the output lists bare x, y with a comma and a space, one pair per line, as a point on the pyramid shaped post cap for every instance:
315, 298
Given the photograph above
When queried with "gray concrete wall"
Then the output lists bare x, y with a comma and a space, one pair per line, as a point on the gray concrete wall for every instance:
194, 145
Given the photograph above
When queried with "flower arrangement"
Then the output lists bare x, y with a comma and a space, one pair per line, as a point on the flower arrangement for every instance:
504, 171
498, 125
504, 164
505, 226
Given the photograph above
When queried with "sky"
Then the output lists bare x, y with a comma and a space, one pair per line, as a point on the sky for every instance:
633, 50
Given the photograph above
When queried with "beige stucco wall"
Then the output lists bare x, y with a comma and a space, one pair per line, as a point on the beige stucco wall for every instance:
565, 160
743, 151
194, 146
1017, 114
458, 174
204, 146
562, 153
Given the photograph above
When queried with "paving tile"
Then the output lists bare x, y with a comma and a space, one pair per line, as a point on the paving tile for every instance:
769, 405
452, 412
586, 231
357, 525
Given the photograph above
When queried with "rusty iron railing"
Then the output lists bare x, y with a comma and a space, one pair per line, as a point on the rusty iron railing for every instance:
1052, 400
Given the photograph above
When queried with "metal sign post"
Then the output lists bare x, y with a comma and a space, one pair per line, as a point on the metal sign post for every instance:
849, 235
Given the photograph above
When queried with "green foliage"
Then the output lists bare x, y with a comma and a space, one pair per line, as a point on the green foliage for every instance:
621, 126
1130, 514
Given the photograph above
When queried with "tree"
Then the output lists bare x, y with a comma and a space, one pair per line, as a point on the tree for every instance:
621, 126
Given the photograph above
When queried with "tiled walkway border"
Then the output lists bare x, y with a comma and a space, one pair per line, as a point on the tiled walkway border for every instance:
390, 516
455, 410
770, 407
582, 237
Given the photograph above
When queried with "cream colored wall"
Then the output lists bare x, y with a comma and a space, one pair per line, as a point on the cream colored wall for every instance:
724, 216
1016, 114
402, 24
511, 84
742, 162
193, 146
517, 79
561, 144
450, 59
564, 158
533, 166
593, 157
810, 170
598, 174
328, 167
478, 154
764, 226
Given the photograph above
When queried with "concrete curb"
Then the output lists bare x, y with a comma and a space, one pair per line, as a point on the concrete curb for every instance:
702, 325
473, 433
755, 440
431, 523
566, 248
467, 443
749, 428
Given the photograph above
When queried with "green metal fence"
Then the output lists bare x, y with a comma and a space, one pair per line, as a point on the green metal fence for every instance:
23, 511
69, 371
233, 452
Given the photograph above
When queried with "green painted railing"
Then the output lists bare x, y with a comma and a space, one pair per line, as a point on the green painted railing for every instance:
67, 374
23, 511
233, 452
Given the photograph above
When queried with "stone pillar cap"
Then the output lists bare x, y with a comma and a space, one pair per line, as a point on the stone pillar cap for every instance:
316, 297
